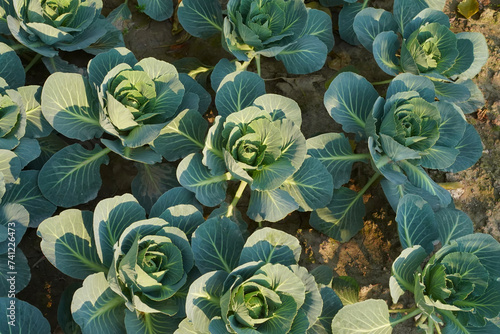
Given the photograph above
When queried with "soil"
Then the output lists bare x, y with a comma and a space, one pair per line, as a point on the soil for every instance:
369, 255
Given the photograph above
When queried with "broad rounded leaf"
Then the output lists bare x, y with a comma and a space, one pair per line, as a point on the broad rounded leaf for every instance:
104, 62
156, 9
11, 68
407, 82
270, 205
26, 192
311, 186
349, 100
68, 243
369, 316
470, 150
14, 220
406, 10
10, 166
217, 245
173, 197
280, 107
36, 124
416, 223
306, 55
385, 47
73, 170
183, 135
347, 289
27, 319
96, 308
346, 22
22, 274
271, 246
111, 217
406, 264
201, 18
319, 24
342, 218
150, 323
69, 106
210, 189
186, 217
237, 91
452, 224
370, 22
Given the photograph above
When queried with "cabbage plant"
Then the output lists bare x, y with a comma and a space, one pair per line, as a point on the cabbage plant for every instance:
123, 102
255, 140
421, 43
47, 26
254, 287
136, 271
285, 29
405, 132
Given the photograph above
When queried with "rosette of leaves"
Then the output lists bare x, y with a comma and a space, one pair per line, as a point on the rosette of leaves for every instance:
123, 102
425, 46
285, 29
255, 140
254, 286
136, 271
48, 26
406, 132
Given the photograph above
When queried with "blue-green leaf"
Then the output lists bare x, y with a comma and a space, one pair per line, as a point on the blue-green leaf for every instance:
201, 18
419, 178
217, 245
210, 189
452, 125
271, 246
156, 9
142, 154
64, 317
68, 105
203, 299
346, 22
331, 305
280, 107
473, 43
152, 181
14, 220
11, 68
342, 218
347, 289
311, 186
452, 224
96, 308
349, 100
150, 323
192, 86
416, 223
407, 82
394, 192
406, 264
22, 272
173, 197
370, 22
10, 166
25, 191
223, 68
385, 47
305, 55
476, 100
104, 62
470, 150
270, 205
369, 316
68, 243
72, 168
27, 150
439, 157
406, 10
237, 91
183, 135
424, 17
36, 125
451, 91
111, 217
186, 217
319, 24
28, 319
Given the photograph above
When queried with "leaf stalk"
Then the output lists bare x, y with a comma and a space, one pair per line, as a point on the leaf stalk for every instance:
236, 198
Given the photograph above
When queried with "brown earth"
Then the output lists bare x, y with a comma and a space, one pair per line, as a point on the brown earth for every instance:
369, 255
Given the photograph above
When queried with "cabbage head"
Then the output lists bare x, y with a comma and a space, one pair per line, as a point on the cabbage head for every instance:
459, 285
47, 26
285, 29
12, 117
425, 45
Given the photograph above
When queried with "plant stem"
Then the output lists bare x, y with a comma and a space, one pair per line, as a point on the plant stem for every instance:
370, 182
32, 62
257, 63
410, 315
438, 329
451, 185
365, 3
381, 82
236, 198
